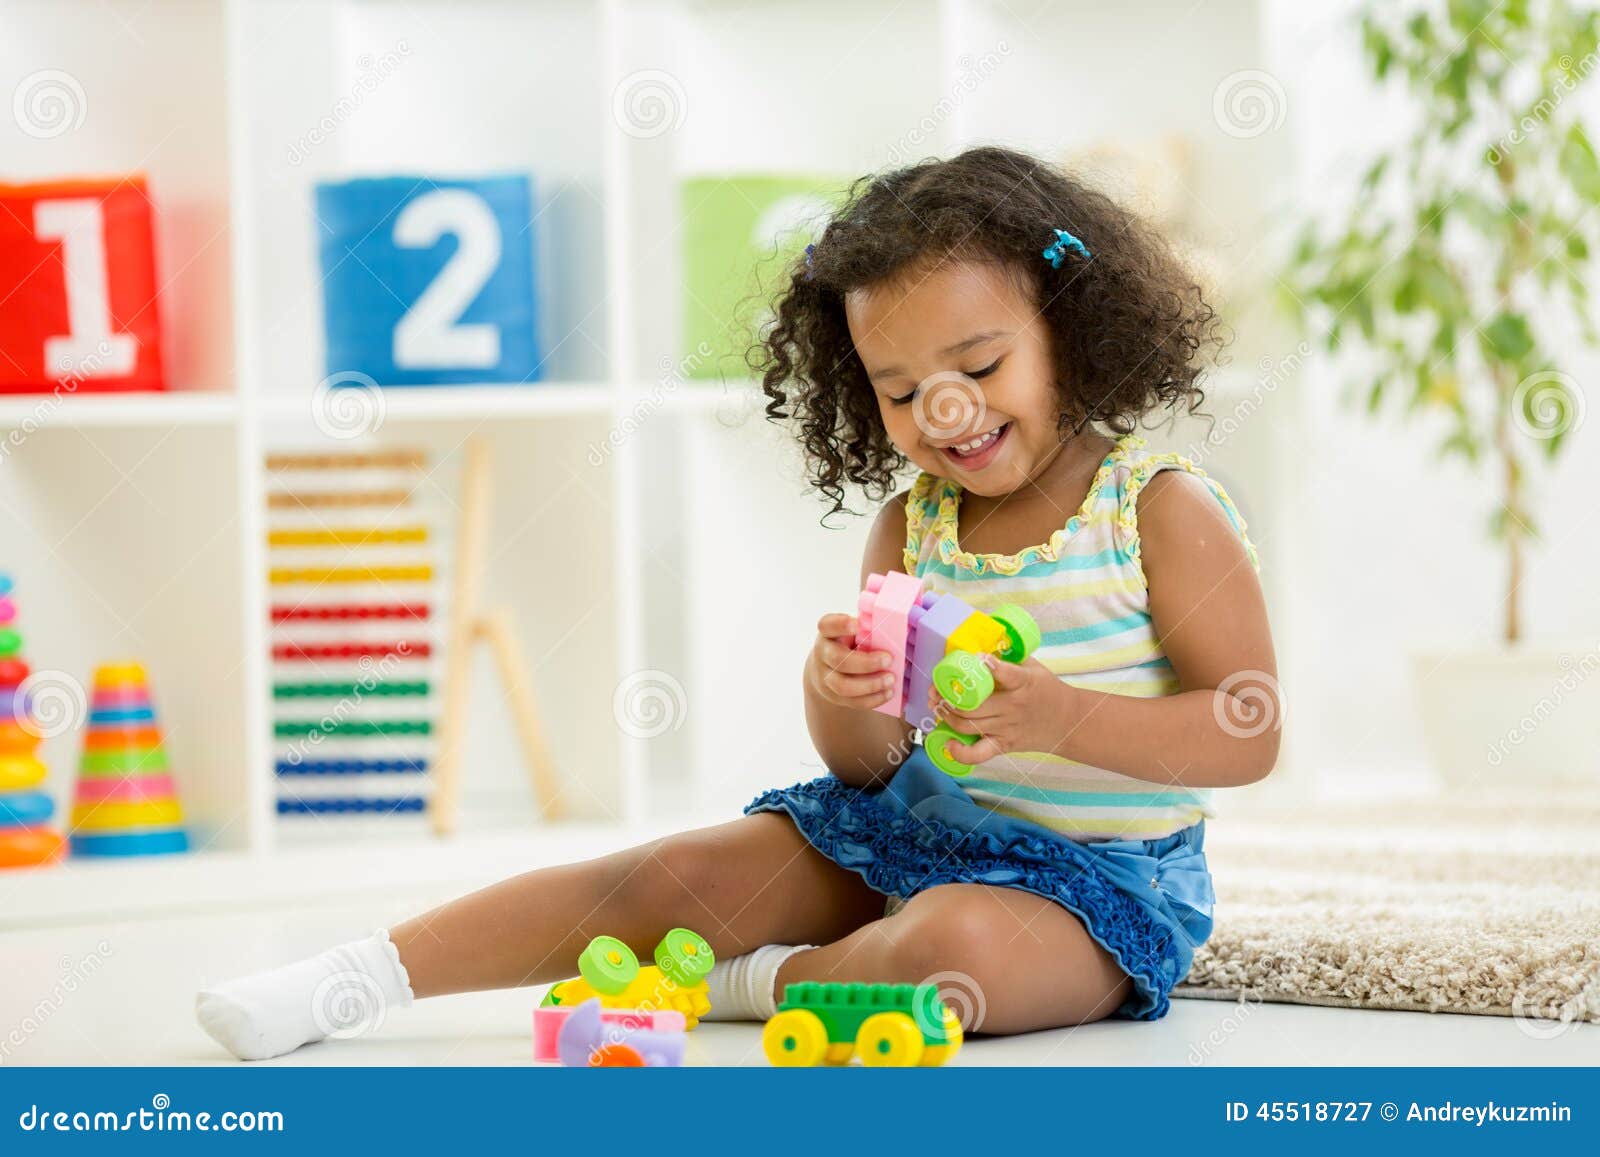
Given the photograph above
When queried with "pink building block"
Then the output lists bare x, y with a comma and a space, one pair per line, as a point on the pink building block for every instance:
547, 1024
884, 612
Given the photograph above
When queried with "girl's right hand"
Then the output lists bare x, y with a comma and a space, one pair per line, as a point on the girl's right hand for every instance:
841, 674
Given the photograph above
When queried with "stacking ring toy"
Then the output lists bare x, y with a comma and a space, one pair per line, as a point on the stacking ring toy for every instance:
15, 738
128, 761
119, 698
19, 772
122, 738
102, 817
131, 843
25, 809
121, 675
28, 847
133, 789
8, 609
13, 672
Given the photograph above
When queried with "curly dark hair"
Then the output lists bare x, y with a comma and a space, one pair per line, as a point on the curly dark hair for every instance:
1130, 327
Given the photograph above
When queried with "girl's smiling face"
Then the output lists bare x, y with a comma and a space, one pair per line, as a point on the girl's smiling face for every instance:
961, 366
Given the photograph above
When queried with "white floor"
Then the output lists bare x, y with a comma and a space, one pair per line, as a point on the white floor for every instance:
123, 994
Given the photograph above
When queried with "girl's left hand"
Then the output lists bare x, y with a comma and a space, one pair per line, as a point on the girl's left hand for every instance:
1026, 712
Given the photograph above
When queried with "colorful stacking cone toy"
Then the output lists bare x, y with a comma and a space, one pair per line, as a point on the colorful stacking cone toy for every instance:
26, 838
126, 804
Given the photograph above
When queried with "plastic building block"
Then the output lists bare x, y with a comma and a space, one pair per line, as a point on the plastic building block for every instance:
931, 643
941, 643
586, 1040
882, 613
677, 980
891, 1025
547, 1024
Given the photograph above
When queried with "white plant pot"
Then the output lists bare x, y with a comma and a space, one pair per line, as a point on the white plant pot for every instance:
1504, 717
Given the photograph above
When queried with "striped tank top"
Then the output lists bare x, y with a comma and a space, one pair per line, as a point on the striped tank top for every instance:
1086, 588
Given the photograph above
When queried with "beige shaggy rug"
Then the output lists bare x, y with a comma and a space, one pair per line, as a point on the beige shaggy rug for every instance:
1488, 906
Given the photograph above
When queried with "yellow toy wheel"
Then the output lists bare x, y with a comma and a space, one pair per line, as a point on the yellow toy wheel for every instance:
935, 1055
890, 1040
795, 1038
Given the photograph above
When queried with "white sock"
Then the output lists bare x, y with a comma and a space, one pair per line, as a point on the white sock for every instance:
343, 992
743, 988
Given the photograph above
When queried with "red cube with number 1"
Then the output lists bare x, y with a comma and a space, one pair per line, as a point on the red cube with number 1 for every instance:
78, 308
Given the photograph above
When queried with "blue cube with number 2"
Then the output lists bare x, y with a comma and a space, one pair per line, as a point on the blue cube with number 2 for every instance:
429, 281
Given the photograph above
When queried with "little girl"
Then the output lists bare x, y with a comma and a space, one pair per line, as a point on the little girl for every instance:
983, 318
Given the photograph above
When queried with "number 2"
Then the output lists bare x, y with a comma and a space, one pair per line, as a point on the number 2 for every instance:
429, 336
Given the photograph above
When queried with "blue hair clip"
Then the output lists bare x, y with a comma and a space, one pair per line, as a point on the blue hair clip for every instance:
809, 249
1058, 251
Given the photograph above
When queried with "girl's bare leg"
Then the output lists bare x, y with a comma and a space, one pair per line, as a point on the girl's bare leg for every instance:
742, 884
1009, 961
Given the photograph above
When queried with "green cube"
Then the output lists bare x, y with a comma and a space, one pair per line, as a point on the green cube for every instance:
741, 235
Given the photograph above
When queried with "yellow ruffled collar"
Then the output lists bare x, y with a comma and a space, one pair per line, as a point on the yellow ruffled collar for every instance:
942, 496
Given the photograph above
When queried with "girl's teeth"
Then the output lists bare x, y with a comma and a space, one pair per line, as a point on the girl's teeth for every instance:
976, 443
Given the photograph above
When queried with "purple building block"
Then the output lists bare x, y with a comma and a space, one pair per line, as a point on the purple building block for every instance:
937, 618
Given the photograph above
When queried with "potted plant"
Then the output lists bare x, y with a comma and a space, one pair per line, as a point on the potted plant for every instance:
1453, 281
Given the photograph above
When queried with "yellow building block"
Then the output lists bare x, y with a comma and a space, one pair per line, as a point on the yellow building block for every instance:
979, 633
649, 991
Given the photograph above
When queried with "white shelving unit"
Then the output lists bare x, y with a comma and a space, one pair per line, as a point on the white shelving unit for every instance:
135, 524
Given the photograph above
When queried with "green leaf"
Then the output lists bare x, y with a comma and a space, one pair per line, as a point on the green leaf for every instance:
1577, 247
1578, 164
1439, 287
1460, 443
1508, 336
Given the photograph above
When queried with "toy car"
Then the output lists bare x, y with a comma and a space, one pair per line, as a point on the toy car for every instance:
609, 970
887, 1025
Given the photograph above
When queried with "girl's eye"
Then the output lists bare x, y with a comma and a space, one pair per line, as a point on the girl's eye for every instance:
975, 374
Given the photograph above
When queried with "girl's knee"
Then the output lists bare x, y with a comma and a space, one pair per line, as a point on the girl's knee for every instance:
955, 934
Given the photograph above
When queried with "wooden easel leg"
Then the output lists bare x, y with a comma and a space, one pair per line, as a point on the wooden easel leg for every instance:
471, 543
496, 628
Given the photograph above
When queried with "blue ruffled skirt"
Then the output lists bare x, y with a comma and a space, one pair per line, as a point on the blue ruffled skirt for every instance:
1146, 902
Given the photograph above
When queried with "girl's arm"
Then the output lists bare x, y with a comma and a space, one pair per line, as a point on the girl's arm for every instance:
858, 745
1223, 728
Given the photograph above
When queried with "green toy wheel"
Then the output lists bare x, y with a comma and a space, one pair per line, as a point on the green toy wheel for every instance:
684, 957
608, 965
963, 680
1021, 630
934, 746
